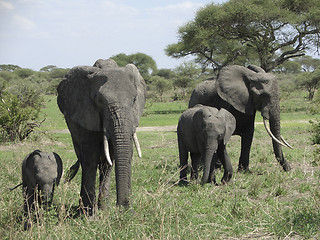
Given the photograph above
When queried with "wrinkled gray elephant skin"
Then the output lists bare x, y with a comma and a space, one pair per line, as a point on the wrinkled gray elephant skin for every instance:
41, 171
204, 132
102, 106
243, 91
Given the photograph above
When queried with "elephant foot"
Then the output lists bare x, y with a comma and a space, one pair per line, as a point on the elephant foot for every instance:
27, 225
243, 169
103, 205
127, 211
183, 180
86, 210
226, 178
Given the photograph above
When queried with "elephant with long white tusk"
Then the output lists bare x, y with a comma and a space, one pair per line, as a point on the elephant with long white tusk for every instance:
102, 106
243, 91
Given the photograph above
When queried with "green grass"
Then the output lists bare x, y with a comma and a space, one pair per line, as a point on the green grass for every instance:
267, 204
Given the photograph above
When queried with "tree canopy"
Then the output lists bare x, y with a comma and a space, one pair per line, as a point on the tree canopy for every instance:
143, 62
264, 32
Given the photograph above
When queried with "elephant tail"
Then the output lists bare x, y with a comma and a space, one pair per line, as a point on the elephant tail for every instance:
72, 172
11, 189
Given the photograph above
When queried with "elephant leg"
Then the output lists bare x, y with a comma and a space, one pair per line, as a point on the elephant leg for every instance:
223, 155
183, 156
195, 159
88, 181
212, 175
88, 146
246, 142
104, 189
28, 198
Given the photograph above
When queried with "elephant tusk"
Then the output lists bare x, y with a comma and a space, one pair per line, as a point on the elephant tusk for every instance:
286, 143
106, 149
270, 133
137, 144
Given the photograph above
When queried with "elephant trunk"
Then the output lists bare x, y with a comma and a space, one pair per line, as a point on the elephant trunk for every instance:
123, 156
121, 139
278, 140
207, 160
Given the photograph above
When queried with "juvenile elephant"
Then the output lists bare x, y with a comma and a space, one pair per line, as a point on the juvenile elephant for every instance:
41, 171
204, 132
102, 106
243, 91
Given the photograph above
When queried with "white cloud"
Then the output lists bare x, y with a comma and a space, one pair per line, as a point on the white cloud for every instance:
184, 6
6, 5
119, 9
23, 22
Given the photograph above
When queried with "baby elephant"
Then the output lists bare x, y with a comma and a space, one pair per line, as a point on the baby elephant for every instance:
204, 132
41, 171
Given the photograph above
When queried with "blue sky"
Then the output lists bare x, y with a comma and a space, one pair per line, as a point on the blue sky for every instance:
66, 33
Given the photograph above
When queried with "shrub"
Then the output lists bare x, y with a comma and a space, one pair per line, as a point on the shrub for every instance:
19, 114
315, 131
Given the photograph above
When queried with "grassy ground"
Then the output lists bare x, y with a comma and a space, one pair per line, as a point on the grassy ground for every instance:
267, 204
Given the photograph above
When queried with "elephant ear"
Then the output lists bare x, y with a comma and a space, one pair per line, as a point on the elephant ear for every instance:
140, 85
74, 98
233, 86
198, 123
59, 167
230, 124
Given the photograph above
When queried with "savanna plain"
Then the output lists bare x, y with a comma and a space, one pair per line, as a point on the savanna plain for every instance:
267, 203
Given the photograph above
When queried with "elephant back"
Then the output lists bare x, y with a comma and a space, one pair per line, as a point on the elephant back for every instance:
205, 93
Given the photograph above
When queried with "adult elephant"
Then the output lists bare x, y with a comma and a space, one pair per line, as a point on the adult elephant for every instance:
102, 106
242, 91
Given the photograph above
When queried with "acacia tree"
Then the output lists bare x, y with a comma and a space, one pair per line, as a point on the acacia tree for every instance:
143, 62
309, 81
185, 77
267, 32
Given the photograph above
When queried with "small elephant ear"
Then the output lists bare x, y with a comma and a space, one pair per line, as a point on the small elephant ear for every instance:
198, 122
74, 97
230, 124
59, 167
233, 86
28, 175
140, 85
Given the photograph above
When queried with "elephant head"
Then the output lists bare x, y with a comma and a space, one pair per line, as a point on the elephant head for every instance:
214, 128
250, 89
106, 99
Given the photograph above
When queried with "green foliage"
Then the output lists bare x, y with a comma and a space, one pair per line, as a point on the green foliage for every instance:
48, 68
315, 131
186, 77
19, 114
9, 67
143, 62
265, 31
23, 72
310, 81
44, 81
159, 85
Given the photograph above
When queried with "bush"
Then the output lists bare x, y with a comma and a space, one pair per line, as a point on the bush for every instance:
19, 114
315, 131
